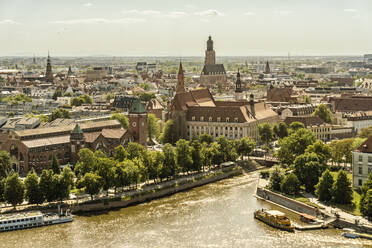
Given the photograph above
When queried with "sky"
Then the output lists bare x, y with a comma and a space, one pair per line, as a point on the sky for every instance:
181, 27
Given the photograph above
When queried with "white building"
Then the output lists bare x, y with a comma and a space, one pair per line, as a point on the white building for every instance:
362, 163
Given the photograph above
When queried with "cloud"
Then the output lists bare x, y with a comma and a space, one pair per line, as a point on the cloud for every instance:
100, 21
176, 14
350, 10
249, 13
209, 12
142, 12
7, 21
87, 4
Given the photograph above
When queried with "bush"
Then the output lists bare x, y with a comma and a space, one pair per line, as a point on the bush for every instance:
290, 184
276, 178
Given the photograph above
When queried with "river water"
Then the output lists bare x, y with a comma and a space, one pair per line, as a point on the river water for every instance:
214, 215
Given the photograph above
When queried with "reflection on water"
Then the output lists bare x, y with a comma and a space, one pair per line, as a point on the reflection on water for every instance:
214, 215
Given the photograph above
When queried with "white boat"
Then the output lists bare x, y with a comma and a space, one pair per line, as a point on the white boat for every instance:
11, 222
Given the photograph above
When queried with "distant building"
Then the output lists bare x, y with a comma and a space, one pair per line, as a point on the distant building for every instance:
267, 68
212, 73
96, 74
368, 58
359, 120
48, 72
196, 112
281, 94
362, 163
124, 102
351, 104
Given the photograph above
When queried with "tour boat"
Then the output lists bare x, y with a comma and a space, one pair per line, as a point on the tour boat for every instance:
275, 219
11, 222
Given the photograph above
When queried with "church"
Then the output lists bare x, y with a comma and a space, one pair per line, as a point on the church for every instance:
196, 112
212, 73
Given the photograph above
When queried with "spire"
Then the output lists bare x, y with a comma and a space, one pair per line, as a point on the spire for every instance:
238, 83
210, 44
48, 72
267, 69
181, 80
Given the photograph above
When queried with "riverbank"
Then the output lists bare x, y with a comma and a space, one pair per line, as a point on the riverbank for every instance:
299, 207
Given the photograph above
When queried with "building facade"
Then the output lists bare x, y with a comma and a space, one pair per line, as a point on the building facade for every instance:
362, 163
196, 112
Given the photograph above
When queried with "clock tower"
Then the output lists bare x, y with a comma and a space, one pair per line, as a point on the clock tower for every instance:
138, 122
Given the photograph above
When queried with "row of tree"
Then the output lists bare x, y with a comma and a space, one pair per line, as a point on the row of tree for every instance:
126, 168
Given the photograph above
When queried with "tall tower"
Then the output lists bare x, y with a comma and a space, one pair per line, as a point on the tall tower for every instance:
267, 68
138, 122
77, 141
49, 73
69, 73
238, 88
181, 81
210, 55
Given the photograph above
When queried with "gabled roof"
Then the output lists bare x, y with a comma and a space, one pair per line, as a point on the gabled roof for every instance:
213, 69
366, 146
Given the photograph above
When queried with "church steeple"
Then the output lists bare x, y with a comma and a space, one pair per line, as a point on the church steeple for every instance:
181, 80
48, 72
267, 68
210, 44
238, 83
69, 73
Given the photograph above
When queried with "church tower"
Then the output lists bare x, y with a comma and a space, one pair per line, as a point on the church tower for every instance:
181, 81
210, 55
238, 88
138, 122
49, 73
267, 68
69, 73
77, 141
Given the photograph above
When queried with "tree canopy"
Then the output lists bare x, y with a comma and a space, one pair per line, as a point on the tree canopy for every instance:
122, 119
153, 129
323, 112
265, 132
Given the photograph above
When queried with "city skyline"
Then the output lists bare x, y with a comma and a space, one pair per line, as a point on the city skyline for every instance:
165, 28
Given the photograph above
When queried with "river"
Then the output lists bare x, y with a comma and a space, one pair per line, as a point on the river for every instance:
215, 215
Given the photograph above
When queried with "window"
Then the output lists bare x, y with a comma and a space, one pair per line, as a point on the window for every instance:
218, 119
360, 170
227, 119
360, 158
201, 118
360, 182
236, 119
369, 171
193, 118
369, 159
210, 118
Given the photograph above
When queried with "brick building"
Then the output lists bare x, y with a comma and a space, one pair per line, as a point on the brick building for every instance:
196, 112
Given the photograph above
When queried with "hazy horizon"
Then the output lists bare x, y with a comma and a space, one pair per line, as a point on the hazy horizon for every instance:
180, 29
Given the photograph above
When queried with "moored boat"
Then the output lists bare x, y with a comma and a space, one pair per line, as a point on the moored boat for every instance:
11, 222
275, 219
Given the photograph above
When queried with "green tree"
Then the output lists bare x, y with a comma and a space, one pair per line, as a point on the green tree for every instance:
135, 150
59, 113
87, 162
14, 190
120, 153
265, 132
33, 192
48, 185
64, 182
207, 138
57, 93
120, 176
308, 170
228, 151
294, 126
196, 155
294, 145
276, 178
366, 204
365, 132
5, 167
183, 154
170, 160
323, 113
323, 189
322, 150
2, 188
146, 96
86, 99
280, 130
341, 150
169, 135
341, 190
92, 183
122, 119
105, 169
245, 146
55, 164
290, 184
153, 129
